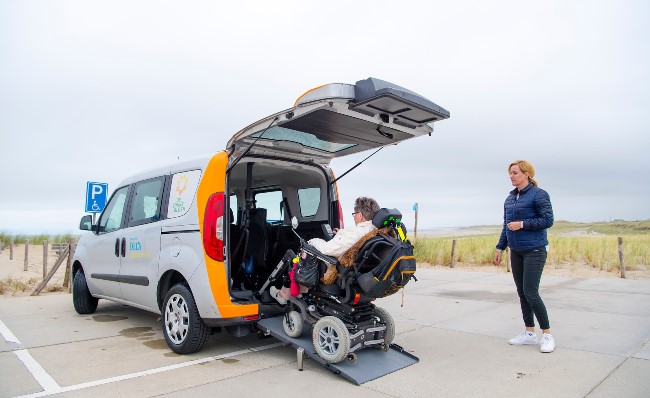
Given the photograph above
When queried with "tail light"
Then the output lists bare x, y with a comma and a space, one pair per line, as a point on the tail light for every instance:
213, 227
340, 215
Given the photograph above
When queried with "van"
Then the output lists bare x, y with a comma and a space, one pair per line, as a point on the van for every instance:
197, 241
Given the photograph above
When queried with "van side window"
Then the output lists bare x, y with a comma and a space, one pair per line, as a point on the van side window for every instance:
111, 219
233, 207
309, 199
182, 192
270, 200
145, 207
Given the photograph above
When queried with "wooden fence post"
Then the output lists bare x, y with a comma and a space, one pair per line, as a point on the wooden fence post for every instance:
26, 254
620, 256
453, 253
11, 250
68, 264
507, 251
57, 263
46, 248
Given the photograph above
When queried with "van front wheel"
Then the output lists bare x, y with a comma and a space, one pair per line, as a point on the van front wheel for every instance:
84, 302
184, 330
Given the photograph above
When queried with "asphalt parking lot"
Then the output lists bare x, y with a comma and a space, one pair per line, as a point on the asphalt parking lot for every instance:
457, 323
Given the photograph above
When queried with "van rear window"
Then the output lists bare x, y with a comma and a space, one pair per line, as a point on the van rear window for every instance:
182, 191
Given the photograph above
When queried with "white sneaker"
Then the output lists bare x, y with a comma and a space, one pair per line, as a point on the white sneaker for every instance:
275, 294
547, 344
524, 338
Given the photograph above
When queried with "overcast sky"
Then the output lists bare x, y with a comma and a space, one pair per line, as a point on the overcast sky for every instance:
98, 90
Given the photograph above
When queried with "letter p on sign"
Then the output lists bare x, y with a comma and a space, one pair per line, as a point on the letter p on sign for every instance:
96, 195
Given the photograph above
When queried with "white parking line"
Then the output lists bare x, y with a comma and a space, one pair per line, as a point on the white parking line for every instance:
42, 377
150, 371
7, 335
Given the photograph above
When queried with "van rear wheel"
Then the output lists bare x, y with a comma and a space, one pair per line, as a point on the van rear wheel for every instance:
184, 330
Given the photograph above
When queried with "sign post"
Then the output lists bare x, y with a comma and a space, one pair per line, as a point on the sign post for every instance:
415, 229
96, 195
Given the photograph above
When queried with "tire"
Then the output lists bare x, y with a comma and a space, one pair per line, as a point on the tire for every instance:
184, 330
84, 302
331, 339
292, 324
386, 318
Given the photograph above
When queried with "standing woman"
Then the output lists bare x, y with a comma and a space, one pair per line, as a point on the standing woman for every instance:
527, 214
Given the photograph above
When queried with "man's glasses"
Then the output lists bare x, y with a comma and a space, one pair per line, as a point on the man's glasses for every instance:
353, 214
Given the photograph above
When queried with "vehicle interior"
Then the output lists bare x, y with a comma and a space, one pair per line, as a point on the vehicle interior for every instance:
264, 194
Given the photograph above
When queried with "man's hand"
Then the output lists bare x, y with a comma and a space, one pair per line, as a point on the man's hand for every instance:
335, 230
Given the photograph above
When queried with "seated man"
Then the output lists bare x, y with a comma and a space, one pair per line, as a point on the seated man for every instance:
364, 211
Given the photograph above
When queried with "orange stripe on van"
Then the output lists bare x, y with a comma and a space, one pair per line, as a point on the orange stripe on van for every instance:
307, 92
214, 180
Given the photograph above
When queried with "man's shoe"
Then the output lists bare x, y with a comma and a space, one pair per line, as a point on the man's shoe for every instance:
524, 338
275, 293
547, 344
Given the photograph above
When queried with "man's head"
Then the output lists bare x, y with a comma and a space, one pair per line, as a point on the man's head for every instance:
364, 209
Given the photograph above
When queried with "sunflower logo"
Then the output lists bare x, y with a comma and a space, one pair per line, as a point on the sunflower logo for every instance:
181, 184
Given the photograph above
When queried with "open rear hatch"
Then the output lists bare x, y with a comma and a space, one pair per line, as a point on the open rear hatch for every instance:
339, 119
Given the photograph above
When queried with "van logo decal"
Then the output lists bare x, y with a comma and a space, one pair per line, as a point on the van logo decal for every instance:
181, 184
135, 245
178, 206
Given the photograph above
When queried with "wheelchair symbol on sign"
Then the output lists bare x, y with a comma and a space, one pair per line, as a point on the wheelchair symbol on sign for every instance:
95, 206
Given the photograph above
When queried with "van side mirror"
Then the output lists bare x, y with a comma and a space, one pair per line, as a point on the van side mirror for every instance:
86, 223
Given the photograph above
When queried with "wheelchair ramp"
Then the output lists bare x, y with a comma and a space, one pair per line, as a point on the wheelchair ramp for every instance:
371, 363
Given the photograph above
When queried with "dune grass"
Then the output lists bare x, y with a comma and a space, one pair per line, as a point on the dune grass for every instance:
36, 239
597, 246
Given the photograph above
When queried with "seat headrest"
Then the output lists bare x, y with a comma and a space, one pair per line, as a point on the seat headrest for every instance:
386, 217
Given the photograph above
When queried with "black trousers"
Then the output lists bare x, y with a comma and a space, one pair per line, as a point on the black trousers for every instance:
527, 267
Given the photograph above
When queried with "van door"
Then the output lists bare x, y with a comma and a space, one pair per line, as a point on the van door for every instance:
341, 119
105, 250
139, 266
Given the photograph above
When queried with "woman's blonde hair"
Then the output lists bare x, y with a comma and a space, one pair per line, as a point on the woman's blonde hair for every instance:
527, 168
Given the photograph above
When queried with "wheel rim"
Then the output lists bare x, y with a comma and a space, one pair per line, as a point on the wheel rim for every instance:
177, 319
291, 325
328, 340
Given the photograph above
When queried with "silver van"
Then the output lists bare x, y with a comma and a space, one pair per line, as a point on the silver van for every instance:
197, 241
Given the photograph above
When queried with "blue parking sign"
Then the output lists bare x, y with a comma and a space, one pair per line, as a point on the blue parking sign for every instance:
96, 194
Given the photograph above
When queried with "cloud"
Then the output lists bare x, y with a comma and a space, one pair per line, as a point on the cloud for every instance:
98, 91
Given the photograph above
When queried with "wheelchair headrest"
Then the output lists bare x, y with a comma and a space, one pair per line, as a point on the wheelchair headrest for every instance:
387, 217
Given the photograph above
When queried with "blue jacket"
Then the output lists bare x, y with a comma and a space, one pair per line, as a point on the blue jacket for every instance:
533, 208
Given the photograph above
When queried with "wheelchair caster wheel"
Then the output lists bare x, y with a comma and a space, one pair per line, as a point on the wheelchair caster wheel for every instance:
352, 357
292, 324
384, 347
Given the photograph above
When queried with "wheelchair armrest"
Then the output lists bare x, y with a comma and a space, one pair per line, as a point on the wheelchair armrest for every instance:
313, 251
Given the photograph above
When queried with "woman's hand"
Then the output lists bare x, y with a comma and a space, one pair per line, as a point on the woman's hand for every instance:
497, 257
515, 225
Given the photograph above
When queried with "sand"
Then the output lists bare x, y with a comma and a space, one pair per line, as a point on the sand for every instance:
14, 270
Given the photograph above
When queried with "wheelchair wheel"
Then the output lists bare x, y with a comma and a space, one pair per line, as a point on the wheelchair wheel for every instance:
292, 324
331, 339
385, 318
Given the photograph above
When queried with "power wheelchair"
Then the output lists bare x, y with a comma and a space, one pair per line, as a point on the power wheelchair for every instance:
340, 310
